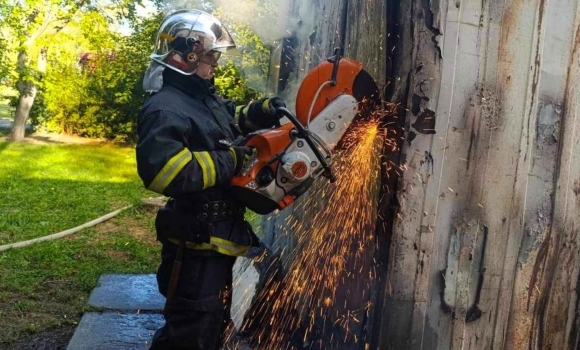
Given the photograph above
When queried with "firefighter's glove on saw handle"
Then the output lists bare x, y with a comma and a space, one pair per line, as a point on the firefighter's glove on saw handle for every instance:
273, 104
261, 114
242, 156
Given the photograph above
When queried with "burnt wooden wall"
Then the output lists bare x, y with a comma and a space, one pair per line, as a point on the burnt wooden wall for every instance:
483, 248
484, 251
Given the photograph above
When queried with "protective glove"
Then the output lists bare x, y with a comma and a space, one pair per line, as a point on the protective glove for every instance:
274, 103
242, 156
262, 114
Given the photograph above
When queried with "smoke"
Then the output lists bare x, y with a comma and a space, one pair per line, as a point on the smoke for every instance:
273, 21
269, 19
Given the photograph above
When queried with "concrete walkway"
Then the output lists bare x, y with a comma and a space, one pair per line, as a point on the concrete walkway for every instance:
131, 306
131, 314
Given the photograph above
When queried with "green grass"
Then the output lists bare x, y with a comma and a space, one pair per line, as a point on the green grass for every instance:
48, 188
47, 285
5, 111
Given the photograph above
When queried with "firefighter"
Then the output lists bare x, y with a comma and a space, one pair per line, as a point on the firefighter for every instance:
188, 150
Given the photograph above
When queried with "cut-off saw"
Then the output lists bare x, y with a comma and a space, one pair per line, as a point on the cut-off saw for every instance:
290, 157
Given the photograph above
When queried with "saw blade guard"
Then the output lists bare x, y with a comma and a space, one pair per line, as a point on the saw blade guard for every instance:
292, 156
328, 81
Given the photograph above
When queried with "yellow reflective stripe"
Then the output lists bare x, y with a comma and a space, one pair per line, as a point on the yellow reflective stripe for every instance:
234, 156
207, 167
204, 169
170, 171
212, 172
245, 110
219, 245
266, 106
237, 114
228, 244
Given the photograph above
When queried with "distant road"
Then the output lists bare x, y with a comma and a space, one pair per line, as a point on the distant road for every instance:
7, 124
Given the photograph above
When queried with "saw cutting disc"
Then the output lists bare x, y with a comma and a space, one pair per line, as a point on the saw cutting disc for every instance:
366, 92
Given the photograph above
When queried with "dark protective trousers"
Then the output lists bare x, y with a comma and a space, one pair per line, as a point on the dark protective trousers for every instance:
199, 313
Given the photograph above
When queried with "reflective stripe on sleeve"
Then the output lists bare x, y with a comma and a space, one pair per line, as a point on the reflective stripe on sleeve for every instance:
234, 156
266, 106
237, 114
170, 171
208, 168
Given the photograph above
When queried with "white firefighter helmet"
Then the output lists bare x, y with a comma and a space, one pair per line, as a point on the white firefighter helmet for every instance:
184, 37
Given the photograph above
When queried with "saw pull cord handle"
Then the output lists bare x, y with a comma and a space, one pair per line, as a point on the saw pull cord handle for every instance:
305, 134
314, 102
335, 60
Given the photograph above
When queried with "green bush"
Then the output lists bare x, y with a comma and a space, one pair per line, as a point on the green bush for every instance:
101, 98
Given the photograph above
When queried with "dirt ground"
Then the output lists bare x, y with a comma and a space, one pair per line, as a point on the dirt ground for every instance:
46, 138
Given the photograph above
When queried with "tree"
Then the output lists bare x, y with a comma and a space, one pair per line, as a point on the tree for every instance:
92, 85
35, 23
5, 62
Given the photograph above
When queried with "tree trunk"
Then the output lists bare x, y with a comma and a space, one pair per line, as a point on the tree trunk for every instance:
27, 90
25, 102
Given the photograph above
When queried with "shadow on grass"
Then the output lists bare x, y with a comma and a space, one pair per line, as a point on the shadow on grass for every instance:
5, 133
46, 139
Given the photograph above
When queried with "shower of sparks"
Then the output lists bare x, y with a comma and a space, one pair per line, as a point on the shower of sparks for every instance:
325, 291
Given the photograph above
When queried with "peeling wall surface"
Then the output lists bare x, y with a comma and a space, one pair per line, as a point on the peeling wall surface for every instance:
484, 252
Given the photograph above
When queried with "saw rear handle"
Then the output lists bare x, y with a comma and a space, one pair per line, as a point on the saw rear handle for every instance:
303, 133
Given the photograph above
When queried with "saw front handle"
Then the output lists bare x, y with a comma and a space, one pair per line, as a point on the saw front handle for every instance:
304, 133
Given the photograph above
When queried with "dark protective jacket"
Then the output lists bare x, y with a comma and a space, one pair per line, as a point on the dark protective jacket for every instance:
185, 131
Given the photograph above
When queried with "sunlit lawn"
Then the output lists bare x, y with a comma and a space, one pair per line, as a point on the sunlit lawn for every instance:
48, 188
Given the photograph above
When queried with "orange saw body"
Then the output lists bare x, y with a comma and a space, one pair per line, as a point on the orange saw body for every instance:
290, 157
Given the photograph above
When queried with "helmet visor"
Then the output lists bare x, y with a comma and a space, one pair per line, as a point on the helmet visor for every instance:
211, 57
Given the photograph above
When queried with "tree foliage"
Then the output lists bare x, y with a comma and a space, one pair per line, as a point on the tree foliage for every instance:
92, 85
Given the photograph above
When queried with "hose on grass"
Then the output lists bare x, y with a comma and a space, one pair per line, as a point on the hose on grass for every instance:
64, 233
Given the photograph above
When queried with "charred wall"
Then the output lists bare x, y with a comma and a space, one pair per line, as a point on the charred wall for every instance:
484, 249
480, 245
